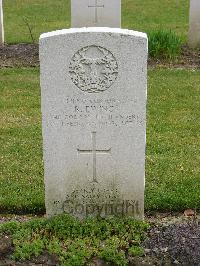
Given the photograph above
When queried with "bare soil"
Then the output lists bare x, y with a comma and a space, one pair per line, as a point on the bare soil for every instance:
173, 239
27, 55
19, 55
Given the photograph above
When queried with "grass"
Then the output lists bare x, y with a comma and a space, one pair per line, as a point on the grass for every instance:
21, 182
173, 157
77, 242
164, 44
48, 15
172, 164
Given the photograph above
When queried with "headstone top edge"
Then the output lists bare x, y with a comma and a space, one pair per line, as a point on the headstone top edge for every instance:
93, 30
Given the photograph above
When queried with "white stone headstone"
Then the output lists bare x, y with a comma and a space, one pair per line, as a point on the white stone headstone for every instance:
95, 13
1, 23
94, 86
194, 28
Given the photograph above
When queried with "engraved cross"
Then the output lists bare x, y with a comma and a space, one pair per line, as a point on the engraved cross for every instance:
94, 151
96, 6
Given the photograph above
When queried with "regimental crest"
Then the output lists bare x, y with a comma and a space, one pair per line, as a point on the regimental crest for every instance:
93, 69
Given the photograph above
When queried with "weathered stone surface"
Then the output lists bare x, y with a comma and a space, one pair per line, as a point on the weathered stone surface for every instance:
194, 29
96, 13
1, 23
93, 84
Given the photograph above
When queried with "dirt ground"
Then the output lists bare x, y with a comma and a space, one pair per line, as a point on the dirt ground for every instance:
173, 239
19, 55
27, 55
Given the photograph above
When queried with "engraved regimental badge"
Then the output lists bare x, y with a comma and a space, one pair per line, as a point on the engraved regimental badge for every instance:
93, 69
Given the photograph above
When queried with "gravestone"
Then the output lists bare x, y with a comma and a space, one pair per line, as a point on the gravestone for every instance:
93, 83
194, 28
1, 23
96, 13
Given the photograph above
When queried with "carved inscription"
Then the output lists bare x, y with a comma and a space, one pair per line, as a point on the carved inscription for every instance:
93, 69
81, 112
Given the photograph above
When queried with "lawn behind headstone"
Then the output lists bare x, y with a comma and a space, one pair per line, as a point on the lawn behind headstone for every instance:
172, 168
48, 15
